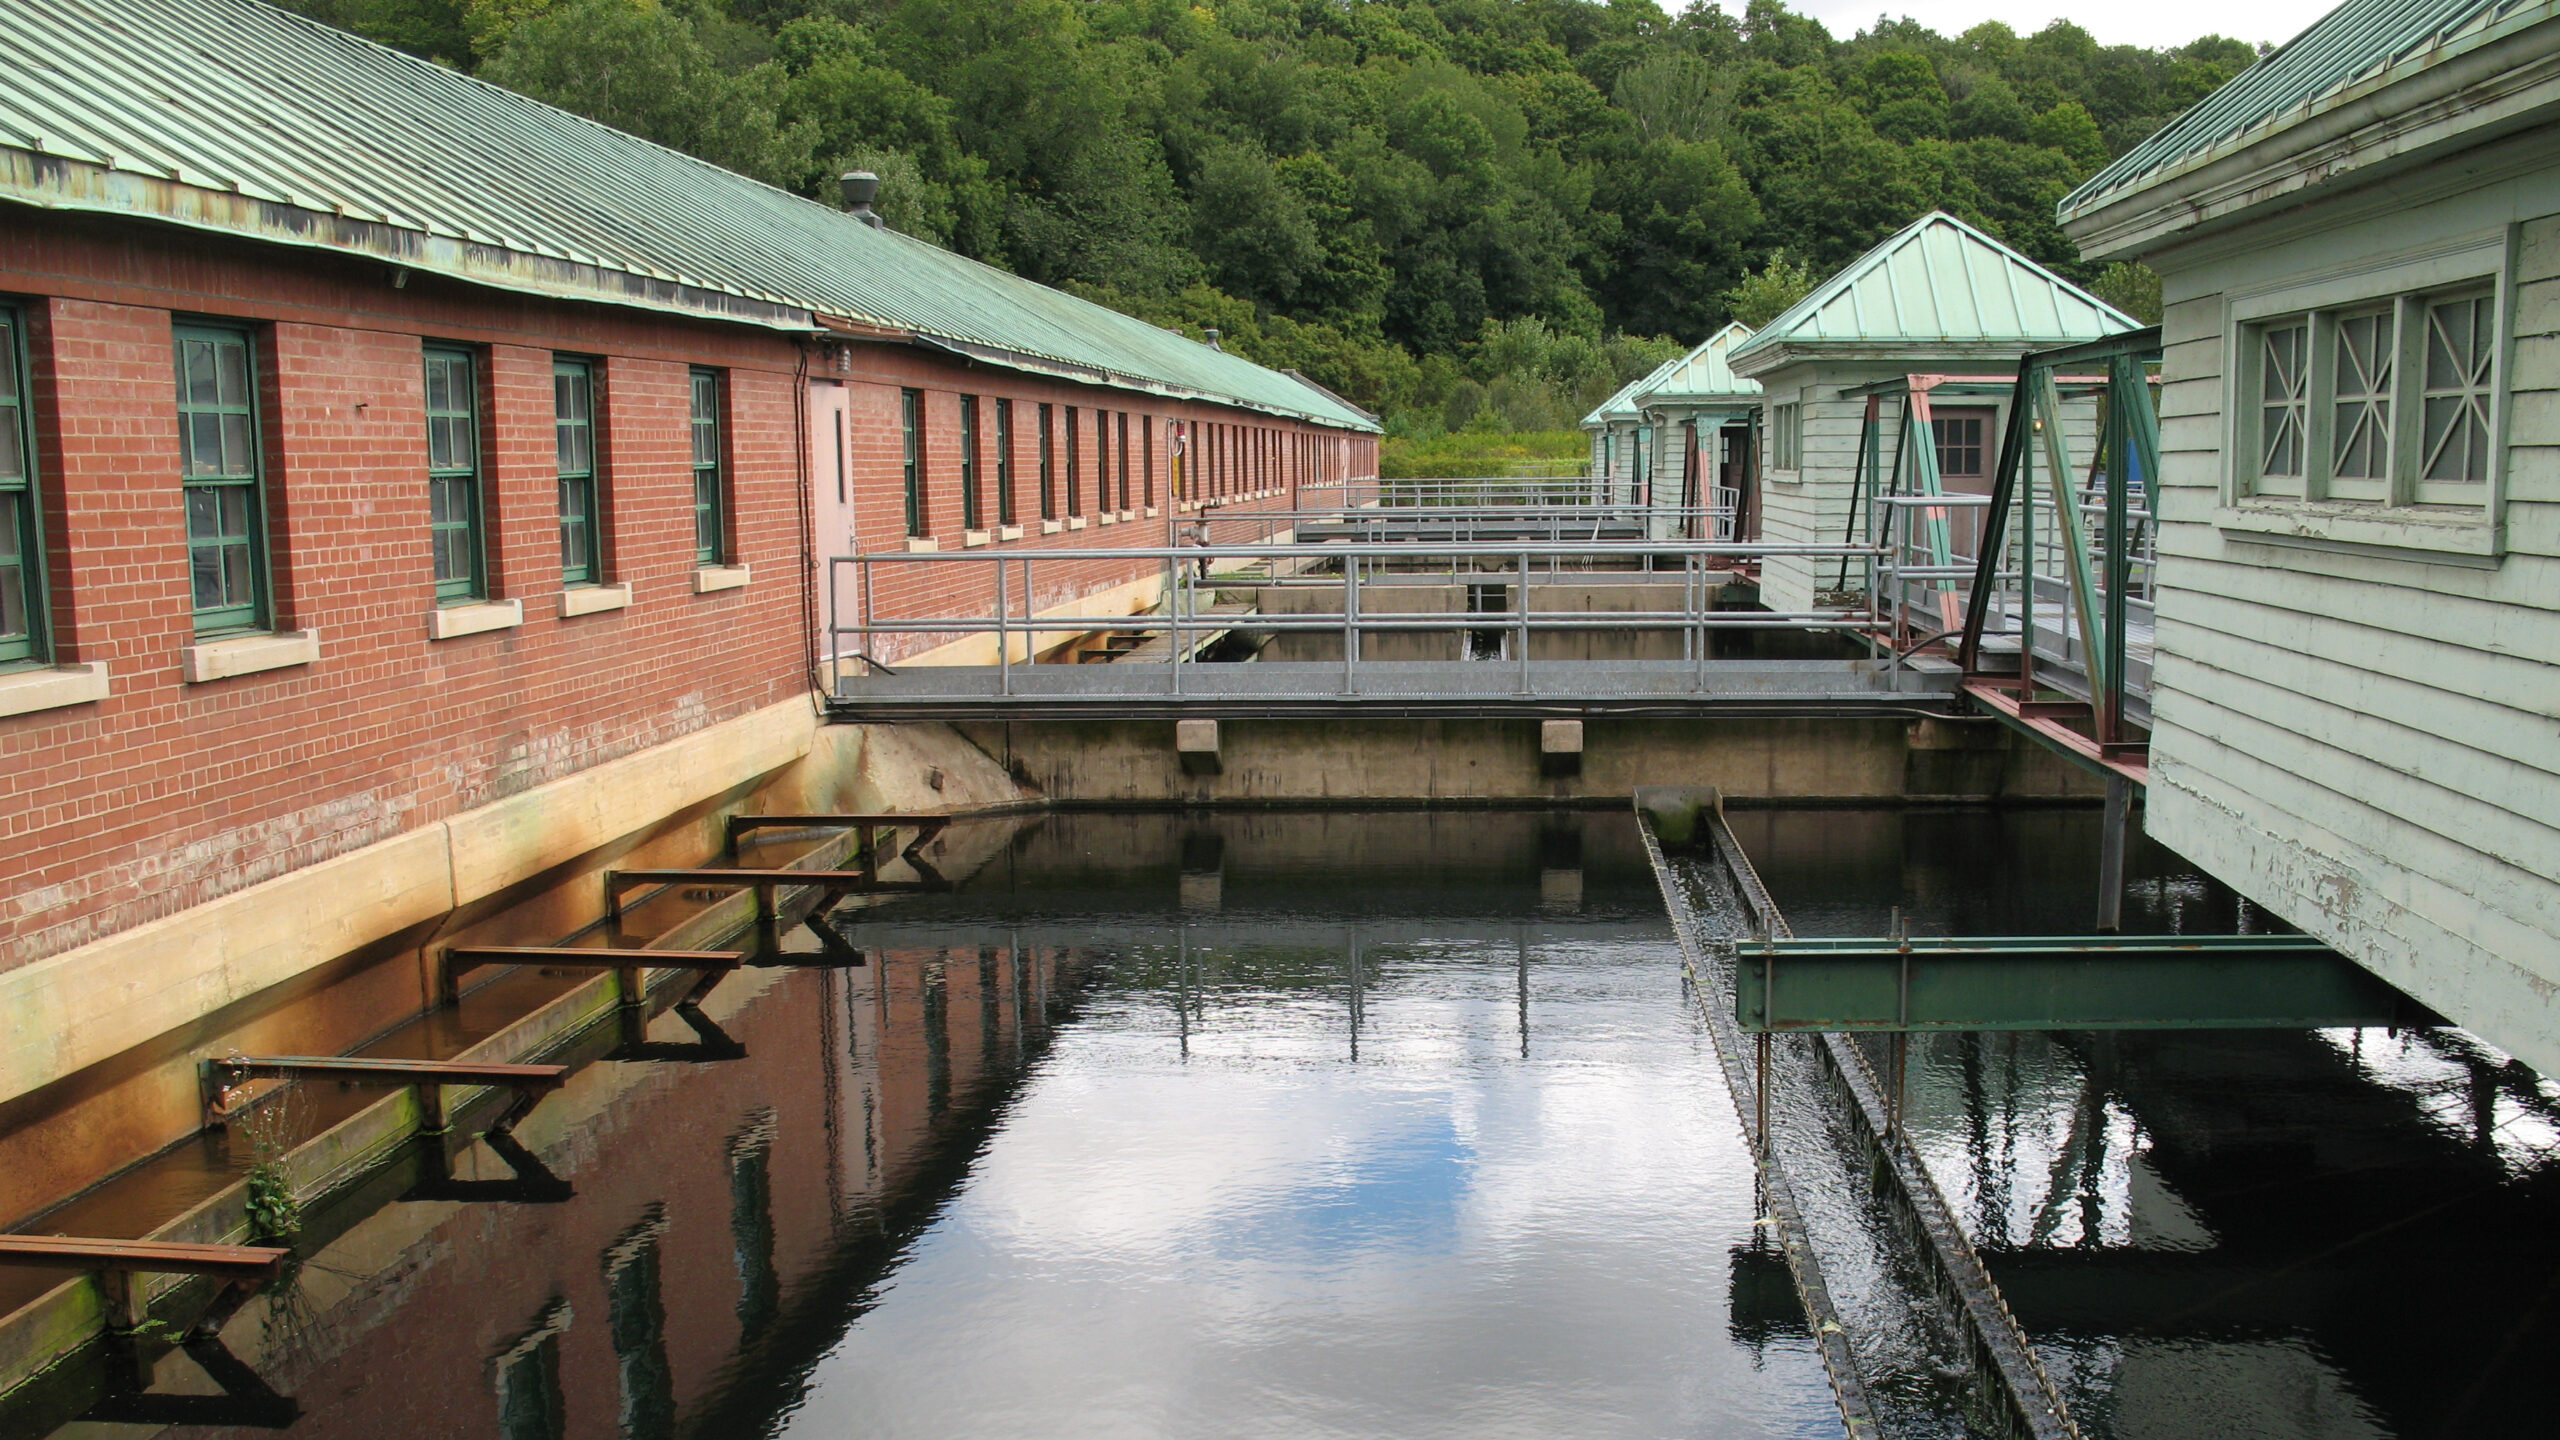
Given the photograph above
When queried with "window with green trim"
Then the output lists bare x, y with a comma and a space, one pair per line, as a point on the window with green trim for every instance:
971, 516
1075, 468
1048, 465
911, 423
710, 473
1004, 462
573, 411
22, 616
223, 475
453, 473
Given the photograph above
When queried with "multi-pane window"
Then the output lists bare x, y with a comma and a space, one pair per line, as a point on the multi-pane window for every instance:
573, 411
220, 469
911, 452
2387, 403
1786, 432
1075, 467
1959, 444
1124, 460
21, 553
453, 472
2453, 440
1147, 458
1048, 467
1004, 463
2360, 423
2284, 400
970, 518
710, 472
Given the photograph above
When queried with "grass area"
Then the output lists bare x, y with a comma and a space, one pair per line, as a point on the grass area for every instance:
1466, 454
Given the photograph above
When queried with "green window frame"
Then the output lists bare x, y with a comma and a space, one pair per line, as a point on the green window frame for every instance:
453, 474
573, 418
222, 470
1075, 467
22, 608
972, 513
710, 471
1048, 464
911, 419
1124, 460
1004, 462
1147, 457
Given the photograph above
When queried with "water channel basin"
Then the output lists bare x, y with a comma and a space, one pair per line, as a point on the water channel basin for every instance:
1408, 1123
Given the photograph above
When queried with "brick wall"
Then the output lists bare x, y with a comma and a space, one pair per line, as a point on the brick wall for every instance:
168, 793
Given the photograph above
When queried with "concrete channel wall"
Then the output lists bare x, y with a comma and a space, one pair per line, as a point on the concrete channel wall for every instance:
1350, 760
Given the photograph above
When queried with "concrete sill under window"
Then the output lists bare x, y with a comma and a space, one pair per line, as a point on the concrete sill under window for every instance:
1008, 532
1107, 518
452, 622
247, 655
1153, 512
972, 539
24, 692
1075, 522
2461, 536
1052, 527
722, 577
594, 599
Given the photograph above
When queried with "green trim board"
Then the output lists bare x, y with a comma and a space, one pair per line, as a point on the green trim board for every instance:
1936, 283
237, 117
22, 581
2164, 982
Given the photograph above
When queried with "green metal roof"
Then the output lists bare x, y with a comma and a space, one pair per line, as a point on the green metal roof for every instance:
231, 115
1704, 376
1937, 281
1621, 406
2345, 56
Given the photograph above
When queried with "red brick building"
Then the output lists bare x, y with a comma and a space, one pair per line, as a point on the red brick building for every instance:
401, 502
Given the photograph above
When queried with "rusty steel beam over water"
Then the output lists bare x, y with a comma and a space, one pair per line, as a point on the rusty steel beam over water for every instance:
2133, 982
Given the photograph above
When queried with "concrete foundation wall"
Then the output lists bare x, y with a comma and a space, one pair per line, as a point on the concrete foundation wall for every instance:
100, 1063
1347, 760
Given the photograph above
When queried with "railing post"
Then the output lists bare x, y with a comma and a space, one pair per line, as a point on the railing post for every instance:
1004, 632
1173, 583
1523, 608
1351, 625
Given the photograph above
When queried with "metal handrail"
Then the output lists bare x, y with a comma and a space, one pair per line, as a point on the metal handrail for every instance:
1351, 566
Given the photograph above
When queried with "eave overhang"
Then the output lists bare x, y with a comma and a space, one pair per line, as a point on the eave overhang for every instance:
2501, 83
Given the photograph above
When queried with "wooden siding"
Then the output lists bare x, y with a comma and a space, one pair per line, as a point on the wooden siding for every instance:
2364, 740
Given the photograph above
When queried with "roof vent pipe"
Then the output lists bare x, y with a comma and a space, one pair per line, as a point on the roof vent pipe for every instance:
860, 188
1212, 334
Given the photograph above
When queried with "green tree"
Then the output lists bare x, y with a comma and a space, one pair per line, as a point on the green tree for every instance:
643, 71
2131, 287
1770, 291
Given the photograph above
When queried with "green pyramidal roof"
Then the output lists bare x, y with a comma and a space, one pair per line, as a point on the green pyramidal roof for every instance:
232, 116
1703, 375
1622, 406
1936, 281
2343, 57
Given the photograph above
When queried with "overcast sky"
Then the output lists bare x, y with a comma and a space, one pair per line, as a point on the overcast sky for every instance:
2151, 23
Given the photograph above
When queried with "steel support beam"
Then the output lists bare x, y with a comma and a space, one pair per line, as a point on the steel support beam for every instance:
2169, 982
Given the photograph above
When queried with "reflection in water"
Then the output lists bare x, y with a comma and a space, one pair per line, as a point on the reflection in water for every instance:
1400, 1124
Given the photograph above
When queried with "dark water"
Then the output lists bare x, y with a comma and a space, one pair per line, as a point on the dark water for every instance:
1401, 1124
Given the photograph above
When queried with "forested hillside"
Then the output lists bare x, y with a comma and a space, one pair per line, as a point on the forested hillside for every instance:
1456, 212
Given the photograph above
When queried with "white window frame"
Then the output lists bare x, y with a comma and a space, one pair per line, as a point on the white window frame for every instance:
2402, 511
1786, 437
